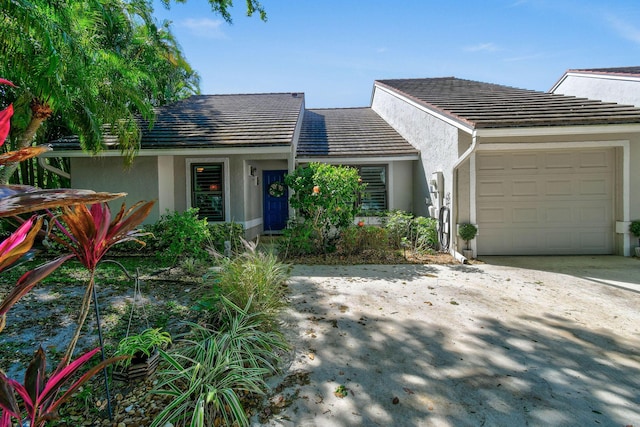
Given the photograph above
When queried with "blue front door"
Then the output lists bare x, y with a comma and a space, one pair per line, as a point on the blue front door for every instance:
275, 200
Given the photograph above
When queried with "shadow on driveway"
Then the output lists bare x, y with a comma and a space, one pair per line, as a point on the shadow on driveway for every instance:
487, 344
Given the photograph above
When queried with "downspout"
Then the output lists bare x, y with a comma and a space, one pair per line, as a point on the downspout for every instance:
454, 204
42, 162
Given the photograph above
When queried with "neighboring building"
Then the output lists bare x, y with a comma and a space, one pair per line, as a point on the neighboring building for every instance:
618, 85
539, 173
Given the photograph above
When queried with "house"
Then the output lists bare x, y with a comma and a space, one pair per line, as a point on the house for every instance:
539, 173
224, 154
618, 85
213, 152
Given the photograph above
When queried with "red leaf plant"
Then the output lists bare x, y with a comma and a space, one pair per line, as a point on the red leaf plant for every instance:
90, 233
5, 116
40, 395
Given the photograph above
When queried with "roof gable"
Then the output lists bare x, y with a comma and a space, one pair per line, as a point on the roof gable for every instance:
349, 132
480, 105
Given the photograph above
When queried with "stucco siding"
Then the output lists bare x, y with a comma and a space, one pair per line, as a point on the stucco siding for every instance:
140, 181
401, 185
604, 89
437, 140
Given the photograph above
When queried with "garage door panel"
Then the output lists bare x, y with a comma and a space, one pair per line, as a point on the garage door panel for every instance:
524, 188
564, 206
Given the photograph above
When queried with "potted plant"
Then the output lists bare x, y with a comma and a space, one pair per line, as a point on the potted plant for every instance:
634, 228
142, 352
467, 232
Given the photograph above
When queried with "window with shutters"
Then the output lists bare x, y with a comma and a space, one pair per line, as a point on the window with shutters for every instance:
374, 198
207, 190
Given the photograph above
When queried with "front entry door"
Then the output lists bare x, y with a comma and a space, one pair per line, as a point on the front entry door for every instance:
275, 200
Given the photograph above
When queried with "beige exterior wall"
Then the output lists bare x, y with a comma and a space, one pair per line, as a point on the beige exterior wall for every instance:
140, 181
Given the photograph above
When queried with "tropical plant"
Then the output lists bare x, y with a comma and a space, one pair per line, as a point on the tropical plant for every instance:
426, 234
90, 233
254, 280
467, 232
225, 232
140, 346
181, 234
208, 370
325, 197
40, 397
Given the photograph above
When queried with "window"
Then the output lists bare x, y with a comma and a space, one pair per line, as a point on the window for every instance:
374, 198
207, 190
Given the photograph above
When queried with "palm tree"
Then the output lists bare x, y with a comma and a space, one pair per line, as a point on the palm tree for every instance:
99, 65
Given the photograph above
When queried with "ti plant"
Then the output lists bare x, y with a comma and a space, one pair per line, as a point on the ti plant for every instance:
42, 395
91, 237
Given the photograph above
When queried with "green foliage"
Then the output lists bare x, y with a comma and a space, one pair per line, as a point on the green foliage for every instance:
325, 198
418, 233
399, 227
181, 234
226, 231
634, 228
142, 344
426, 233
208, 369
467, 231
254, 280
356, 239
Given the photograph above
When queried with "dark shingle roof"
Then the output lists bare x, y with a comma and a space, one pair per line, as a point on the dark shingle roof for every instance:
211, 121
347, 132
619, 71
485, 105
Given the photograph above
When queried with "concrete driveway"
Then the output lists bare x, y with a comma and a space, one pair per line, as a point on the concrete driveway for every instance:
514, 341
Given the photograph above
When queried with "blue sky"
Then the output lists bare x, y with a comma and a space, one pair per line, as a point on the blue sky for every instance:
333, 50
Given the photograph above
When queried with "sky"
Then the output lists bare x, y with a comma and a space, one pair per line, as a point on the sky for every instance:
334, 50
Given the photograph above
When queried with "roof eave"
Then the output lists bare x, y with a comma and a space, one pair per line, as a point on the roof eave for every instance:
356, 159
558, 130
225, 151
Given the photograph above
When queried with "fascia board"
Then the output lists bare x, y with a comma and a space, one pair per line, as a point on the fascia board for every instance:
355, 160
558, 130
177, 152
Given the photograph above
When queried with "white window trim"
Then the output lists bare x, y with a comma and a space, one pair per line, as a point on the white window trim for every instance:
227, 180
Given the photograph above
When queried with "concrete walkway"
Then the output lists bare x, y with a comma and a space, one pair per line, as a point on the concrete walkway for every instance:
510, 342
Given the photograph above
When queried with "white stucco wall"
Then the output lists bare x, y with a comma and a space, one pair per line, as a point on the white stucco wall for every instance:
140, 181
437, 140
610, 88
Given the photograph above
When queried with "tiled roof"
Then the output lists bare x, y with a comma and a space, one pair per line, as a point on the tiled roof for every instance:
620, 71
485, 105
212, 121
348, 132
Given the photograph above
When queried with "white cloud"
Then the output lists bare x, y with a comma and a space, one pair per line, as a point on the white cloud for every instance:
204, 27
482, 47
625, 29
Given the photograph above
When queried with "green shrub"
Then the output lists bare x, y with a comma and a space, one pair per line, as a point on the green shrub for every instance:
467, 232
356, 239
226, 231
300, 238
253, 279
418, 233
325, 197
207, 370
399, 227
181, 234
426, 234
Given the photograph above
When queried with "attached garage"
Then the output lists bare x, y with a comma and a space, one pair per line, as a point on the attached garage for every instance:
553, 202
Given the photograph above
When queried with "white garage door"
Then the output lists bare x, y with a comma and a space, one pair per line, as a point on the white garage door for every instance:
545, 203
